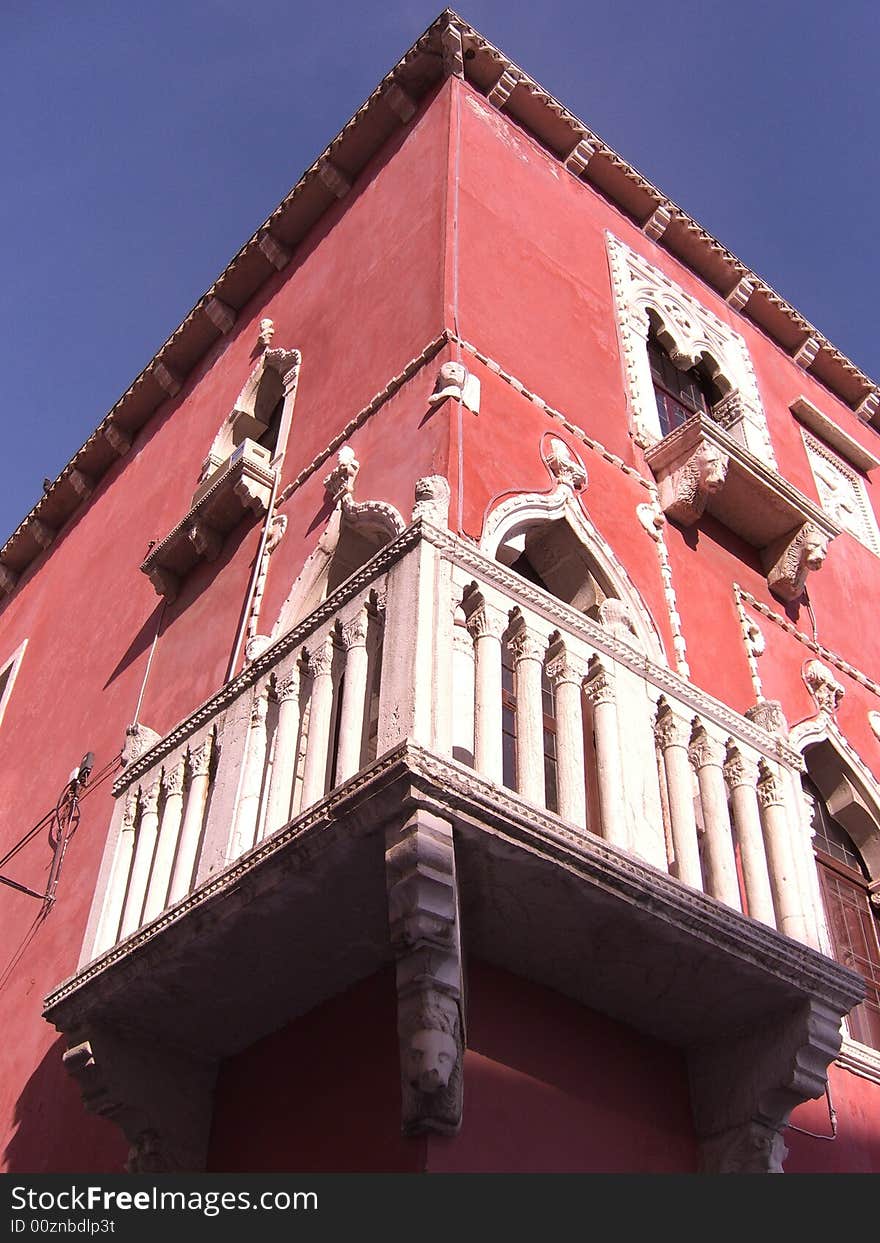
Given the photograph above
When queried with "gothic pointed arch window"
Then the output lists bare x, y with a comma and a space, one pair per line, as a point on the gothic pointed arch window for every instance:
846, 842
680, 390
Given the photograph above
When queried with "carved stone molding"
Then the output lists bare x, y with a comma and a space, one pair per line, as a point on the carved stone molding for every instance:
824, 687
423, 920
791, 558
454, 380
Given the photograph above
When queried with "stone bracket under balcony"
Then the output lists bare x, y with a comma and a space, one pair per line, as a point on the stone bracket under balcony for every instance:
259, 943
242, 484
700, 468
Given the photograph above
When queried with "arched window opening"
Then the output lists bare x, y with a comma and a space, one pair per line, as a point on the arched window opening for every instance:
851, 916
550, 555
355, 548
680, 394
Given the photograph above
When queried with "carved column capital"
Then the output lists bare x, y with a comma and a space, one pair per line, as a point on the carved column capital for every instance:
771, 789
671, 730
354, 632
484, 621
259, 709
287, 685
738, 771
150, 797
525, 644
705, 751
200, 757
173, 777
563, 667
320, 661
599, 684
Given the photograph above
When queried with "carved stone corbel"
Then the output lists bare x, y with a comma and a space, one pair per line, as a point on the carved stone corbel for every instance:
165, 582
160, 1099
423, 920
205, 540
788, 560
685, 488
565, 465
744, 1088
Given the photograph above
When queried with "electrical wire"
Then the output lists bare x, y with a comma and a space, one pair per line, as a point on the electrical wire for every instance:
832, 1116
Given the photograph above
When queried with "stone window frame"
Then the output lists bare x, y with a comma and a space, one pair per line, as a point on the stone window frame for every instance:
691, 334
868, 534
8, 674
857, 807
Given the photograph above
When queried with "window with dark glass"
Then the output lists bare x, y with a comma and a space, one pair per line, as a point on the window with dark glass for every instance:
679, 394
851, 917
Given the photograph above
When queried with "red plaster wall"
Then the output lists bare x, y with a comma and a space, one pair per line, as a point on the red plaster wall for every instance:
856, 1149
549, 1087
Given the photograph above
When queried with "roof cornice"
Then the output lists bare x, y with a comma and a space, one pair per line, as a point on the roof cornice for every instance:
448, 48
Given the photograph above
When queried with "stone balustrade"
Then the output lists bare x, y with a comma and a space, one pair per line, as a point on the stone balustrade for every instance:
484, 668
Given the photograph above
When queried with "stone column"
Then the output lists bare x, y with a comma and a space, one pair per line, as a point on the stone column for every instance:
123, 857
567, 676
707, 757
169, 831
354, 697
780, 856
248, 808
143, 859
193, 820
320, 668
424, 928
463, 673
486, 626
280, 803
742, 779
599, 690
528, 661
673, 736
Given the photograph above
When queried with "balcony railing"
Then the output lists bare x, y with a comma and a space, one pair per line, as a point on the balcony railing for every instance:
433, 642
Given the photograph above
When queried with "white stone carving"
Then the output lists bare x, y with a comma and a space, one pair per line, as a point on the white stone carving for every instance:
805, 356
874, 722
686, 485
454, 380
790, 559
842, 493
690, 332
340, 482
580, 155
432, 497
658, 222
565, 465
267, 332
138, 739
824, 687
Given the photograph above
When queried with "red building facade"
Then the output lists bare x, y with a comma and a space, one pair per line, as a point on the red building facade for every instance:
469, 612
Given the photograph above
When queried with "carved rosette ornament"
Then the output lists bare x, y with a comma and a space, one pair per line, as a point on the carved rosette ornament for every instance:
423, 922
790, 559
825, 689
432, 496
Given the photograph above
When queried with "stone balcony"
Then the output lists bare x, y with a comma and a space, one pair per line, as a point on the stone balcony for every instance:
442, 746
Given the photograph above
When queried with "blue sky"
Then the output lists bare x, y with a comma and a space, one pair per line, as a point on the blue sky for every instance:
143, 144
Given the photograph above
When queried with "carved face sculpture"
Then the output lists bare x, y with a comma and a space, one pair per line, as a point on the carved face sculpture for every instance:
451, 375
430, 1059
815, 549
713, 469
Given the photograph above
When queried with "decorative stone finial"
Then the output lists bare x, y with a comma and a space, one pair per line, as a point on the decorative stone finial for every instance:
267, 332
824, 687
565, 465
340, 481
